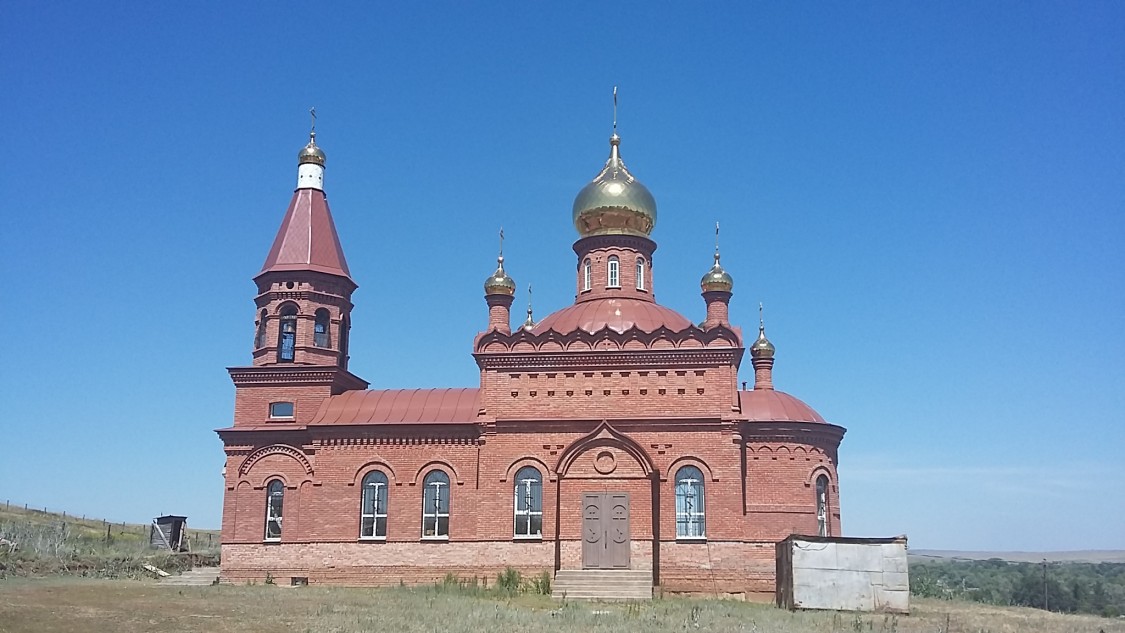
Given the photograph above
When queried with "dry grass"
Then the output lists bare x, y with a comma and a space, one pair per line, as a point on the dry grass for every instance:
52, 543
69, 605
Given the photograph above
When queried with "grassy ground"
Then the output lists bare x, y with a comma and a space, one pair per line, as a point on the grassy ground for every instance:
70, 605
55, 543
16, 517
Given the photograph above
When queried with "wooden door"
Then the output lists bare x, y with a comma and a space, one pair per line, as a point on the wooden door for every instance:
605, 530
616, 511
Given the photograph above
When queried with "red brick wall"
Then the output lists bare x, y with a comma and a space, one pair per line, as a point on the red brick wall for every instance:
322, 507
612, 394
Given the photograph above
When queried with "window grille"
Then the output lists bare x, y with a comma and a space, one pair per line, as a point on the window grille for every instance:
373, 510
275, 496
529, 503
690, 509
435, 506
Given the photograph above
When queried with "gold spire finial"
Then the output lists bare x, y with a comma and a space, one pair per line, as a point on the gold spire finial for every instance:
501, 243
762, 348
615, 110
716, 242
530, 322
312, 125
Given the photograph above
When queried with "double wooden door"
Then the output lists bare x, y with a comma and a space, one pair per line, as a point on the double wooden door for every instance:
605, 530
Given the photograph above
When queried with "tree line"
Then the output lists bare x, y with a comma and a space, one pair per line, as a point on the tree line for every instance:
1095, 588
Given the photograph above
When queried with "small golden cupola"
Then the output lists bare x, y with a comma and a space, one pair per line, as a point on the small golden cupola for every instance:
310, 161
761, 355
716, 285
717, 279
311, 153
499, 283
762, 348
499, 292
614, 202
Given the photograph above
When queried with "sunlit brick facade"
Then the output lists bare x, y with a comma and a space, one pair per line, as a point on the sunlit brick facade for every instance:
611, 434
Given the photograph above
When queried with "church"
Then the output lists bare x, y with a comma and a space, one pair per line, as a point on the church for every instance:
608, 437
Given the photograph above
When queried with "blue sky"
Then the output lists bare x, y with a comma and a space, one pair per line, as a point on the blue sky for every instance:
928, 198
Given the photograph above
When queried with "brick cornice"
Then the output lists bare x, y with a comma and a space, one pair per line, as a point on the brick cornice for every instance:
724, 338
610, 359
633, 242
807, 432
290, 375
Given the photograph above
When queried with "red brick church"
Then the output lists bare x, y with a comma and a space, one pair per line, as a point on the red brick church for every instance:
610, 435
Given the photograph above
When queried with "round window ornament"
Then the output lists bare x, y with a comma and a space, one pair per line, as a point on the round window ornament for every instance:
605, 463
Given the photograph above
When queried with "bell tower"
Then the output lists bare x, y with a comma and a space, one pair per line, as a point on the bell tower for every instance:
302, 309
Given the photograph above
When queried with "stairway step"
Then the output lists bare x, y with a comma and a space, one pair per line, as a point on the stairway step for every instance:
602, 584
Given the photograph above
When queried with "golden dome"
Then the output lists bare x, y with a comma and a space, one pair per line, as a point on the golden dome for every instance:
717, 279
614, 203
499, 283
311, 153
762, 348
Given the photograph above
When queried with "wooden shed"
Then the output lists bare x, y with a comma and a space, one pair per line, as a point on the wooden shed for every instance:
169, 532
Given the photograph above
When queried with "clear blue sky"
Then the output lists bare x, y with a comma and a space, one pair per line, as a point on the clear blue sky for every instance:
928, 198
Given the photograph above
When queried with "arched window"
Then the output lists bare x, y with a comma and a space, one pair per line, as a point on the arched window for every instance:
287, 334
275, 495
435, 505
373, 510
690, 513
320, 329
640, 273
822, 505
586, 281
614, 280
529, 503
260, 336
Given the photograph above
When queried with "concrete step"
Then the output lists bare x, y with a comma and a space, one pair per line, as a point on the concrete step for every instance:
602, 584
198, 577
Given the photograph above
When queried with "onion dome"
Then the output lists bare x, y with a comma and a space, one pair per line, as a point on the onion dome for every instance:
499, 283
762, 348
529, 324
614, 203
311, 153
716, 279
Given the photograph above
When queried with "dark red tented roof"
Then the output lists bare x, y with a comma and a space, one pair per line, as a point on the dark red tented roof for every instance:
768, 405
307, 239
619, 314
400, 406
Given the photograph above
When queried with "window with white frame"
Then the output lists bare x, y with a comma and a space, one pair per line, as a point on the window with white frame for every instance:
640, 273
275, 496
281, 410
373, 506
586, 275
614, 278
529, 503
690, 512
822, 505
435, 505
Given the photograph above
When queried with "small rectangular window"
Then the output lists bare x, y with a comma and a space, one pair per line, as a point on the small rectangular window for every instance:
281, 410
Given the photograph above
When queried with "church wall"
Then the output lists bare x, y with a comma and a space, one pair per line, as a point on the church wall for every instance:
252, 403
781, 489
740, 569
609, 394
382, 564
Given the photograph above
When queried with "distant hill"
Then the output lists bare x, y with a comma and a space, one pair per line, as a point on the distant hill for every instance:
1075, 556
